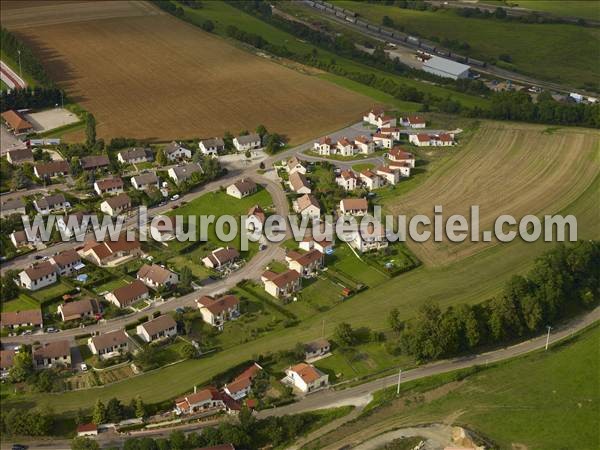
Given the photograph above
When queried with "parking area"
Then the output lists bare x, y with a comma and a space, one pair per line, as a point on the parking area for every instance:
51, 119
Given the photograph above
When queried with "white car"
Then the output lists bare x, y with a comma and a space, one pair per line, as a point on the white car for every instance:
83, 367
175, 197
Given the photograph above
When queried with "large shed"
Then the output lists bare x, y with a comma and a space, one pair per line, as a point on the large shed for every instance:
446, 68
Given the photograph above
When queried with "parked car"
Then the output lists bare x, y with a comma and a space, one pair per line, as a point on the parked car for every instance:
175, 197
83, 367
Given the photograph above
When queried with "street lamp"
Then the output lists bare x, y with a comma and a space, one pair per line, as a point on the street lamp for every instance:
20, 71
399, 380
548, 336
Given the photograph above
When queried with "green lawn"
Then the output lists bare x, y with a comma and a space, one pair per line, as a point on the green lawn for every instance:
363, 166
535, 49
50, 292
223, 15
586, 9
345, 261
545, 400
22, 303
111, 285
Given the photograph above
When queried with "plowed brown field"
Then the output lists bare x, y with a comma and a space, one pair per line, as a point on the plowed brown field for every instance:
148, 75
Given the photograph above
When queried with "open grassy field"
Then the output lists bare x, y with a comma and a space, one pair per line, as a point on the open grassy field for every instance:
147, 75
586, 9
535, 49
546, 400
470, 280
505, 168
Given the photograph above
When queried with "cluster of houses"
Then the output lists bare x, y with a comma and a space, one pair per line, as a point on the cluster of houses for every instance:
215, 146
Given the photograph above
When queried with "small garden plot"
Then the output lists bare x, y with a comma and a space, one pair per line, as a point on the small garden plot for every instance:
116, 374
316, 296
394, 259
140, 304
22, 303
110, 285
52, 292
193, 260
345, 261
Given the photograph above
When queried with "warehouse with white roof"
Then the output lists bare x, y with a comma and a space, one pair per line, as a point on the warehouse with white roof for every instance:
446, 68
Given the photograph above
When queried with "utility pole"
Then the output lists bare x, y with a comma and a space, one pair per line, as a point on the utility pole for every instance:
20, 71
323, 329
399, 380
548, 337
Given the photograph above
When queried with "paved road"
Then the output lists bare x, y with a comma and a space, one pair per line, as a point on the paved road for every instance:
360, 395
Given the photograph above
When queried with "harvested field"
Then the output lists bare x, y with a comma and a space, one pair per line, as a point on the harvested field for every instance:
506, 168
145, 74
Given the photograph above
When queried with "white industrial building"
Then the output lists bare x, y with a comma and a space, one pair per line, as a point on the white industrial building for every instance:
446, 68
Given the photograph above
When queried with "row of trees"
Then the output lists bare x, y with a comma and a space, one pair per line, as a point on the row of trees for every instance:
563, 280
38, 97
114, 411
26, 422
14, 48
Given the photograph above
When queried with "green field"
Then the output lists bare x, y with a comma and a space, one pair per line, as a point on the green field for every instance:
535, 49
21, 303
586, 9
545, 400
224, 15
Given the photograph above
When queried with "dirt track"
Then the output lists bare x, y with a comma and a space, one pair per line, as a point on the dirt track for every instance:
148, 75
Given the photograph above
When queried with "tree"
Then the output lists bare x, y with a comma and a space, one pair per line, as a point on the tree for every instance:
161, 158
395, 321
386, 21
177, 439
8, 286
208, 25
22, 366
99, 414
90, 130
185, 277
140, 407
261, 130
248, 154
188, 351
344, 334
19, 179
84, 443
114, 411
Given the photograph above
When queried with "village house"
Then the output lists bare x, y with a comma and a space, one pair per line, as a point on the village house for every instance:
38, 276
281, 285
444, 139
176, 152
390, 175
77, 310
162, 327
399, 155
22, 239
373, 238
347, 179
135, 155
248, 142
125, 296
354, 206
163, 228
95, 162
242, 188
109, 344
393, 132
383, 140
295, 165
20, 156
325, 146
378, 118
413, 122
306, 264
111, 252
52, 354
364, 144
299, 184
204, 400
308, 206
370, 180
316, 349
305, 377
51, 169
7, 358
109, 186
221, 258
46, 205
18, 319
145, 181
420, 139
241, 385
87, 429
67, 262
183, 173
323, 245
16, 123
403, 169
116, 205
255, 219
217, 311
70, 225
345, 147
157, 277
13, 206
212, 147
